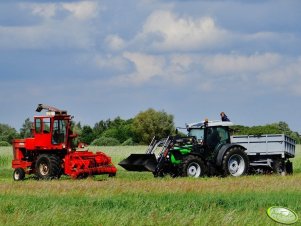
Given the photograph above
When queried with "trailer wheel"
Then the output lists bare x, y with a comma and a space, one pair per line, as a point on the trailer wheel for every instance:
289, 167
19, 174
193, 166
235, 162
48, 167
279, 167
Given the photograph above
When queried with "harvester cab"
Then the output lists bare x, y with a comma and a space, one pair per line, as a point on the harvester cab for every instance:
206, 150
51, 153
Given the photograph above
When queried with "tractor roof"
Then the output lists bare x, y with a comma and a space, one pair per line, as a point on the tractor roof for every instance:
210, 124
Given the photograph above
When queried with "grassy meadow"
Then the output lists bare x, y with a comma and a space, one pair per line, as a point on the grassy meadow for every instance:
133, 198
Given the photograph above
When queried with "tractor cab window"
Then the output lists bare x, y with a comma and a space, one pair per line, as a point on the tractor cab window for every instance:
38, 125
223, 134
216, 137
59, 131
198, 133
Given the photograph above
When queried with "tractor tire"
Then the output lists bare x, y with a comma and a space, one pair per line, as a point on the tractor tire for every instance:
19, 174
279, 167
193, 166
48, 167
235, 162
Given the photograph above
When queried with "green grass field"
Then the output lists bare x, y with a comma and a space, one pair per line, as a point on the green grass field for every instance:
140, 199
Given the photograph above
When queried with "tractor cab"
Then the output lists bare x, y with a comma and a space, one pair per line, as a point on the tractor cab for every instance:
50, 131
212, 134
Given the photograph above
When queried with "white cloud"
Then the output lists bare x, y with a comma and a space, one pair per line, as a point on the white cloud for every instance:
223, 64
82, 10
285, 77
173, 32
118, 63
115, 42
146, 67
46, 10
63, 25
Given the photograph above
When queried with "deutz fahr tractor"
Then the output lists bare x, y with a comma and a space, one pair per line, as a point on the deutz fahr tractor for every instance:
51, 153
207, 150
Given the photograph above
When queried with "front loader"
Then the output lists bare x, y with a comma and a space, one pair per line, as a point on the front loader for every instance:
206, 150
50, 153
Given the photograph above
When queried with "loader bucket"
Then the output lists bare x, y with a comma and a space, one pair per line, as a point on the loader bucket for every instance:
140, 162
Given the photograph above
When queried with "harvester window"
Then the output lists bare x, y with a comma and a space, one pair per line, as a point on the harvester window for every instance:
46, 125
38, 127
59, 131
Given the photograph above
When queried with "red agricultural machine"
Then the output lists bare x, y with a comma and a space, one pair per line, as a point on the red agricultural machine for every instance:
51, 153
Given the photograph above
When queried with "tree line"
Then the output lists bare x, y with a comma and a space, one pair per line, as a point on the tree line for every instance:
138, 130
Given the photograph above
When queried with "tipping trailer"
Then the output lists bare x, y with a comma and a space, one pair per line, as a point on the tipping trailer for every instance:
51, 153
268, 152
208, 149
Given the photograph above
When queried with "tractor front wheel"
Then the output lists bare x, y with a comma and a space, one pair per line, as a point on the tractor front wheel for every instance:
48, 167
19, 174
235, 162
193, 166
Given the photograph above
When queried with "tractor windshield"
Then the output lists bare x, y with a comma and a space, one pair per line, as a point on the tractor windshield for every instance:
198, 133
59, 131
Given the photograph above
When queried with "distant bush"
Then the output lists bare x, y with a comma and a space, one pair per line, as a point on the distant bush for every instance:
4, 143
105, 141
128, 142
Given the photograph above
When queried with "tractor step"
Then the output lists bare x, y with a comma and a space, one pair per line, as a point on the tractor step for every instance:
140, 162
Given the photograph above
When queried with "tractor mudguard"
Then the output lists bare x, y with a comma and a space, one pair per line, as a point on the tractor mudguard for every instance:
140, 162
223, 150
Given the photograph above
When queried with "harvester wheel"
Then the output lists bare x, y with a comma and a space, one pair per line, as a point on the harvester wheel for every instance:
235, 162
19, 174
193, 166
48, 167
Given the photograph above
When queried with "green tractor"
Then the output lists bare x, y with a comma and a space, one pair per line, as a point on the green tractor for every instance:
207, 150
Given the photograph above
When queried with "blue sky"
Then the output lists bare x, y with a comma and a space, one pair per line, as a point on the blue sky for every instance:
193, 59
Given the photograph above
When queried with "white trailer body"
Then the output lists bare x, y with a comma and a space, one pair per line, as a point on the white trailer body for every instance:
268, 144
268, 150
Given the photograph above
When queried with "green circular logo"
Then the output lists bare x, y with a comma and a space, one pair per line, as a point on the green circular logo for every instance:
282, 215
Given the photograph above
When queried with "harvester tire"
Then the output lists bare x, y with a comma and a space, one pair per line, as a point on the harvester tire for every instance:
193, 166
19, 174
48, 167
235, 162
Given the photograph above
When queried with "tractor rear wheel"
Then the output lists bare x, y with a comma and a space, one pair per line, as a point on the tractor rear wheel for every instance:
235, 162
193, 166
19, 174
48, 167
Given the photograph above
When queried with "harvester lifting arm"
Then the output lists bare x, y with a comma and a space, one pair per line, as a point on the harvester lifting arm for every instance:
49, 108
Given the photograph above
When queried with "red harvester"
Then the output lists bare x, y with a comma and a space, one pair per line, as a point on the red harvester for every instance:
50, 153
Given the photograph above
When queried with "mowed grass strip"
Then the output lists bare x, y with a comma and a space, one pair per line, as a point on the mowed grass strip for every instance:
133, 198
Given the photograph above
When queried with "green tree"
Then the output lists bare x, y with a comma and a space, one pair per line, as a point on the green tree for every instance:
87, 135
152, 123
25, 130
8, 133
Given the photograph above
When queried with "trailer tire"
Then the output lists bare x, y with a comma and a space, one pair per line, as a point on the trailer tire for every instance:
48, 167
193, 166
235, 162
289, 167
19, 174
279, 167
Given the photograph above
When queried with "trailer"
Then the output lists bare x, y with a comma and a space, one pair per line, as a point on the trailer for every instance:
268, 152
